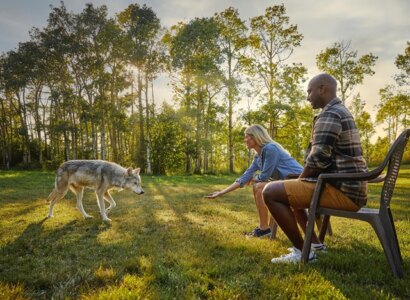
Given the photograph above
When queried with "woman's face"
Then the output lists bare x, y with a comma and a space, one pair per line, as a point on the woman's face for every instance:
250, 141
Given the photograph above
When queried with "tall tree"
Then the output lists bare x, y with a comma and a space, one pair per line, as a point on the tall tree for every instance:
233, 43
273, 41
36, 82
5, 120
59, 43
195, 55
141, 25
340, 61
116, 69
16, 75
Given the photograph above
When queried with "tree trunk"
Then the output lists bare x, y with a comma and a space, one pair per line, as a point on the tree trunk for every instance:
4, 138
206, 129
141, 160
230, 113
94, 140
147, 121
37, 120
73, 133
21, 111
199, 111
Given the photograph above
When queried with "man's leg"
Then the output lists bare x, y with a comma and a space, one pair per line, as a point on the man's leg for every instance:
277, 202
302, 218
260, 205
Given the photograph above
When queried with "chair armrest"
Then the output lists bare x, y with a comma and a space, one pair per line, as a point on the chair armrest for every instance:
364, 176
378, 179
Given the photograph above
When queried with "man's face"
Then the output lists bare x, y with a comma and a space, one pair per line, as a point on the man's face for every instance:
314, 94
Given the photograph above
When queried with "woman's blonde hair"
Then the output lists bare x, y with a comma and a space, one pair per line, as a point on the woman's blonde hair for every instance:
260, 134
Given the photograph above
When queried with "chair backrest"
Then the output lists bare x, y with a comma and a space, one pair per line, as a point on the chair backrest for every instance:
393, 160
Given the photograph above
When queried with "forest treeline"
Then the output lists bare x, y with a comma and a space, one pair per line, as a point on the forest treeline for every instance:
83, 87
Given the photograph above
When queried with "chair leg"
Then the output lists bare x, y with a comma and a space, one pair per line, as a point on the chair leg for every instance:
394, 234
308, 238
324, 228
383, 230
329, 228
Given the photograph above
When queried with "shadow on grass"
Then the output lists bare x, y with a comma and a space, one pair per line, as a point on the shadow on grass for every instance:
47, 262
360, 270
172, 243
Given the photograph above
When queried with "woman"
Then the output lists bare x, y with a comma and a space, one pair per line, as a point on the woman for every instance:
273, 162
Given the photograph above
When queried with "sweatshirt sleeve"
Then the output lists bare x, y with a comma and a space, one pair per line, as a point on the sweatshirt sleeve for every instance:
248, 174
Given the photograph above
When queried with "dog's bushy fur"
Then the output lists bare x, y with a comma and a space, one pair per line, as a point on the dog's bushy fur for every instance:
96, 174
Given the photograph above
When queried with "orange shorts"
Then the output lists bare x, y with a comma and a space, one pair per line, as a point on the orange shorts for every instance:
300, 194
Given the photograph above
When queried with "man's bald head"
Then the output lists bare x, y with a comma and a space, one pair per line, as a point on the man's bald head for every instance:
321, 90
326, 80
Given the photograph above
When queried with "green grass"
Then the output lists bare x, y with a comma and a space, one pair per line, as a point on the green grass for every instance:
171, 243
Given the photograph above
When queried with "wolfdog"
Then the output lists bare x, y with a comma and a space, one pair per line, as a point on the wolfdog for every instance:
96, 174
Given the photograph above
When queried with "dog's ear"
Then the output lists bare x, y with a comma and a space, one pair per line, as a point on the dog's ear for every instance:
137, 171
129, 171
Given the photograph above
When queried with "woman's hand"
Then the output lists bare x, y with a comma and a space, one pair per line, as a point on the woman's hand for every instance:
214, 195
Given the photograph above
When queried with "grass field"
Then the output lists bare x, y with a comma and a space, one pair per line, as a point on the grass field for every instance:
171, 243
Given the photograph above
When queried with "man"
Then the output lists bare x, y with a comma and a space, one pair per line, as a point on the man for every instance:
334, 148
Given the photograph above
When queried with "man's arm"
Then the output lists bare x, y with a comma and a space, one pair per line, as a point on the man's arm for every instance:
326, 131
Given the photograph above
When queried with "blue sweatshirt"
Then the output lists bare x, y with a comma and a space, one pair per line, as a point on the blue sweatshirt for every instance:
274, 159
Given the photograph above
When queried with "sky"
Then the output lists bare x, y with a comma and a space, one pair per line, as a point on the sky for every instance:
381, 27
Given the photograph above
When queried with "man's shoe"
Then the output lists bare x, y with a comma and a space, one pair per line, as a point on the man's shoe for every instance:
318, 248
257, 232
294, 256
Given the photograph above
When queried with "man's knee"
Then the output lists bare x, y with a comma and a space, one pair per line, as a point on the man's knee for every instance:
274, 192
268, 192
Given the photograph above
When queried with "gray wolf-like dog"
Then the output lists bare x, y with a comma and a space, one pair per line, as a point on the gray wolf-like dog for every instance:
96, 174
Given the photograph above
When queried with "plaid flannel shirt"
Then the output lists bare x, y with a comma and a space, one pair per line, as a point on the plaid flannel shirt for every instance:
335, 148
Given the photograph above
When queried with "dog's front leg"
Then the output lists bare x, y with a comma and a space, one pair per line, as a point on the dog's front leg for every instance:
101, 205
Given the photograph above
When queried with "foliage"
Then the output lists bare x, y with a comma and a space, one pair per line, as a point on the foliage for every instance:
402, 62
172, 243
168, 142
340, 61
233, 44
364, 125
272, 40
394, 111
83, 87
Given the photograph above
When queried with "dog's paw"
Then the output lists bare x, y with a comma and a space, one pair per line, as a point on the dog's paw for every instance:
50, 216
108, 220
88, 217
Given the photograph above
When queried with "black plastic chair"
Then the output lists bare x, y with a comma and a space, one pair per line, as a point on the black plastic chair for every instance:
381, 218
